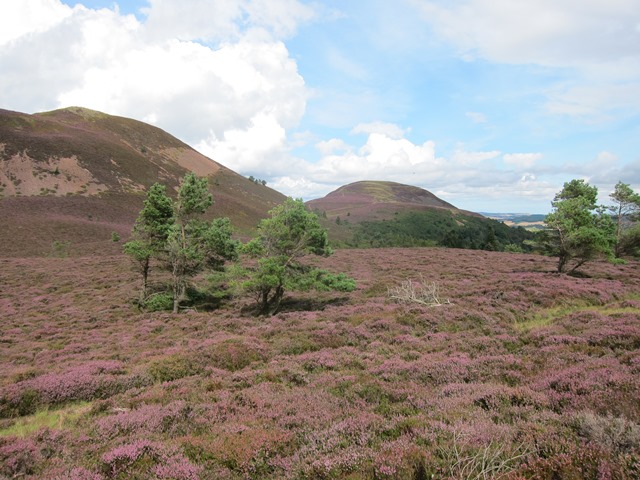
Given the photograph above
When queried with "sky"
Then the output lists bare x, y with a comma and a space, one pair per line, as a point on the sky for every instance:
489, 104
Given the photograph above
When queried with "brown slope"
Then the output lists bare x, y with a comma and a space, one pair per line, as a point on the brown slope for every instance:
77, 175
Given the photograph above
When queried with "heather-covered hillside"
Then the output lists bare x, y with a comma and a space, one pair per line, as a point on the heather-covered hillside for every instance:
522, 374
76, 175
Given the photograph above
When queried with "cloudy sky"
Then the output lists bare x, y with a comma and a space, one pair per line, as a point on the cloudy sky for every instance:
490, 104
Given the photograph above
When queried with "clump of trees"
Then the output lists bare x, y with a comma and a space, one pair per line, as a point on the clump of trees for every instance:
578, 230
173, 233
257, 181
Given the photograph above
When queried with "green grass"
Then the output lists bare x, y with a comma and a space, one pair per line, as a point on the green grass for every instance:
550, 315
52, 419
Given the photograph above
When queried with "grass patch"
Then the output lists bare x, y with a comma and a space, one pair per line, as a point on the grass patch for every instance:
548, 316
53, 419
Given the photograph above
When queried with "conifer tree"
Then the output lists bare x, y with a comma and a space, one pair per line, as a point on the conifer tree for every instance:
577, 231
283, 240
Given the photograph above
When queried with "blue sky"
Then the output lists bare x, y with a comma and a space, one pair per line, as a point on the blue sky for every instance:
490, 104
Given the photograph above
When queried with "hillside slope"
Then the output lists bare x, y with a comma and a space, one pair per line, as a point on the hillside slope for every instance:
388, 214
75, 175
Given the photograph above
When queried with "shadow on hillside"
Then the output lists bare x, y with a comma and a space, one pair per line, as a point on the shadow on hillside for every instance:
297, 304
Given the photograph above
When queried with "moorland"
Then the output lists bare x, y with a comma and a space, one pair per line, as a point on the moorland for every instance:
520, 373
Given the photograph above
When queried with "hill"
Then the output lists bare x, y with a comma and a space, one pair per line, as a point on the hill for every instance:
75, 175
375, 200
388, 214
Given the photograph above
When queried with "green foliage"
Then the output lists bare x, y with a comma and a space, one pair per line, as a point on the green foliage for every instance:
159, 302
439, 228
577, 231
193, 198
172, 232
283, 239
115, 237
60, 248
156, 217
173, 367
626, 211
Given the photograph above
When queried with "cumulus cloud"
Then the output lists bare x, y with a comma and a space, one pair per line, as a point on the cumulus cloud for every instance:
388, 129
219, 95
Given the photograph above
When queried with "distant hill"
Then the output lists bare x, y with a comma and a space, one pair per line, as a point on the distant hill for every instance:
76, 175
376, 200
529, 221
384, 214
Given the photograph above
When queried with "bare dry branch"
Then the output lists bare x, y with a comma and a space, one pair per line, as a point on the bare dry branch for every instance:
422, 293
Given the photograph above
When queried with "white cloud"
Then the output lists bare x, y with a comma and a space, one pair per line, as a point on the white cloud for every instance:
225, 97
328, 147
21, 18
388, 129
522, 160
257, 148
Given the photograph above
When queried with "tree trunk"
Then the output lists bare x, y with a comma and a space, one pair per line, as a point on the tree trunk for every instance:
145, 277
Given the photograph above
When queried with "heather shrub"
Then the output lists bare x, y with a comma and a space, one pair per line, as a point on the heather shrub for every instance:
80, 473
401, 458
614, 433
298, 343
25, 402
234, 354
584, 462
144, 459
18, 457
97, 379
250, 450
173, 367
173, 419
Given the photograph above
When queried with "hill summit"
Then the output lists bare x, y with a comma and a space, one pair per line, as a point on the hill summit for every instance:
377, 200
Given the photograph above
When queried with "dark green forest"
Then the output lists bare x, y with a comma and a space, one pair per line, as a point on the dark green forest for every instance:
440, 228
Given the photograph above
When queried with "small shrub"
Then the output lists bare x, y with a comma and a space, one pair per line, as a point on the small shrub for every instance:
115, 237
60, 248
615, 433
235, 355
159, 302
173, 367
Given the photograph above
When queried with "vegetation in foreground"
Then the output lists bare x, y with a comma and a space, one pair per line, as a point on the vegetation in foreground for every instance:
521, 374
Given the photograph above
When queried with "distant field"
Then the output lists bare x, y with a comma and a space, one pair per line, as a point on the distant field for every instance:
525, 374
528, 221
